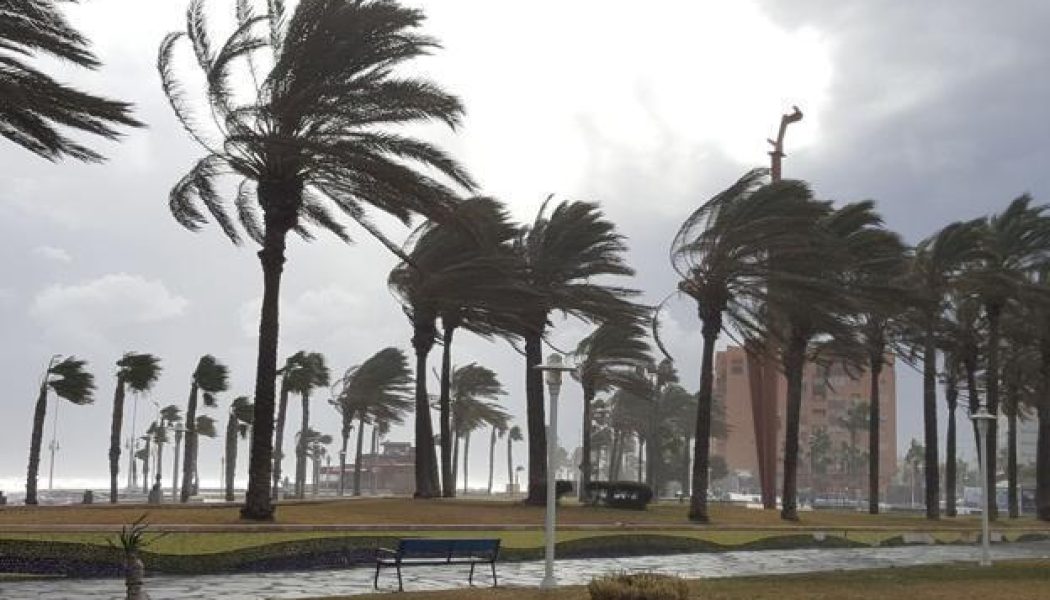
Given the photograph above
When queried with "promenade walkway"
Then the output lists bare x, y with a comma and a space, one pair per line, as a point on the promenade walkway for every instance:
289, 585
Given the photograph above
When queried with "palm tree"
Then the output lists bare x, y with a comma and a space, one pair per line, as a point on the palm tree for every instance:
1011, 245
498, 431
292, 364
209, 378
856, 419
238, 424
35, 105
377, 390
473, 390
600, 357
308, 371
934, 269
959, 330
317, 133
721, 253
819, 300
513, 435
68, 379
170, 420
916, 459
314, 442
203, 426
143, 454
464, 272
564, 253
138, 372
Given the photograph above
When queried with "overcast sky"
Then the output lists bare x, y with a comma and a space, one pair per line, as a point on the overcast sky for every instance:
936, 110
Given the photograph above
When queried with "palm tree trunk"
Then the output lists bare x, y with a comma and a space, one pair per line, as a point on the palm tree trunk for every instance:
702, 450
342, 460
952, 396
874, 431
929, 405
510, 463
535, 418
616, 460
448, 483
1011, 456
375, 455
466, 464
992, 383
175, 468
278, 443
360, 446
114, 438
280, 200
455, 458
585, 459
300, 449
231, 455
39, 415
687, 466
492, 458
427, 485
794, 363
145, 469
190, 458
641, 449
1042, 453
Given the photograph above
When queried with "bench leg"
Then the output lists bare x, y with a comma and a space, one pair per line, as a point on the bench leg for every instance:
495, 583
470, 580
400, 584
375, 583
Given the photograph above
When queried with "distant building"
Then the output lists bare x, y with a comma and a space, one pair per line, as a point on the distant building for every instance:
828, 393
391, 471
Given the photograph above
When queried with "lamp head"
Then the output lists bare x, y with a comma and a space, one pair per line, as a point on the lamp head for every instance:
553, 375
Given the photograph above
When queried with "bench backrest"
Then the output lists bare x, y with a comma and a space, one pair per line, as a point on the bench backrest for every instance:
448, 548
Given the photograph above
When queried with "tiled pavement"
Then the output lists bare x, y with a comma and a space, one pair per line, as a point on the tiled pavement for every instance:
287, 585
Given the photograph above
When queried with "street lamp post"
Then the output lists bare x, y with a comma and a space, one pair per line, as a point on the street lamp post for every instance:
983, 418
553, 371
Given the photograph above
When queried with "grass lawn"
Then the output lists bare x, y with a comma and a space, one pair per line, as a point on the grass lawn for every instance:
1022, 580
404, 511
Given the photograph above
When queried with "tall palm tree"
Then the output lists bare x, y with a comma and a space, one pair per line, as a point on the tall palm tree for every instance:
464, 272
916, 459
170, 422
292, 364
721, 253
35, 106
513, 435
824, 306
565, 252
600, 358
209, 378
320, 130
68, 379
498, 431
137, 372
474, 389
1011, 245
308, 371
143, 454
238, 423
377, 390
934, 269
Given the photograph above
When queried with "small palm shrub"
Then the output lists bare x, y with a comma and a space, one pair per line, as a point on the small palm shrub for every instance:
638, 586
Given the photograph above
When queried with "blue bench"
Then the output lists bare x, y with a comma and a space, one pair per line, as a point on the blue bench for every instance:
413, 552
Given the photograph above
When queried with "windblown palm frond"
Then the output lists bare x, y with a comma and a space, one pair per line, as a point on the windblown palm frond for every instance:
33, 106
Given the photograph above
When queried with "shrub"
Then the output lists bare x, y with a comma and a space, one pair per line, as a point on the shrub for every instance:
638, 586
620, 494
561, 488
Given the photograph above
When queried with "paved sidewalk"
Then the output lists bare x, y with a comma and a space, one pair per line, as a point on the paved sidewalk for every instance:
288, 585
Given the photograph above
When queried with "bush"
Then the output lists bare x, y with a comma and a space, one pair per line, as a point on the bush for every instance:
638, 586
561, 488
620, 494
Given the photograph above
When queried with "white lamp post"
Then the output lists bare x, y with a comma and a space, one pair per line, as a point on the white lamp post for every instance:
553, 370
982, 418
